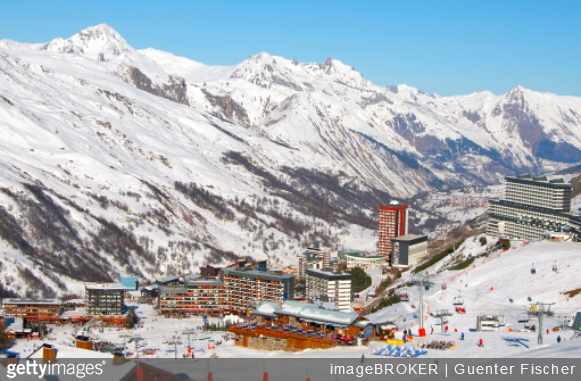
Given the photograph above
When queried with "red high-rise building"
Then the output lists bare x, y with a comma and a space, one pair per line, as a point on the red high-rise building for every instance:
393, 223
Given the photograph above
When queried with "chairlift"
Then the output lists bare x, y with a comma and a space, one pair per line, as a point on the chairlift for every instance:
555, 267
523, 318
403, 294
533, 270
458, 301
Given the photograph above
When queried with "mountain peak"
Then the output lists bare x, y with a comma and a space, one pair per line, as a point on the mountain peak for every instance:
100, 42
262, 56
100, 28
516, 89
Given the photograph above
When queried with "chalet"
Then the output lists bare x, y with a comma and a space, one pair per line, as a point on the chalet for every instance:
295, 325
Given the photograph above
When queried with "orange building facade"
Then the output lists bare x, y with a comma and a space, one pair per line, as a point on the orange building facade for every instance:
393, 223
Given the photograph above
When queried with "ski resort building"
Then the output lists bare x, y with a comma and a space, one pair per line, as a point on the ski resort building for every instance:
393, 223
104, 298
313, 258
33, 310
488, 323
294, 325
246, 287
365, 260
194, 297
209, 271
533, 207
130, 283
408, 250
331, 286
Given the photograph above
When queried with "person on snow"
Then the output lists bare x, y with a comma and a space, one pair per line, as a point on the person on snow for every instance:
462, 336
446, 328
481, 343
559, 339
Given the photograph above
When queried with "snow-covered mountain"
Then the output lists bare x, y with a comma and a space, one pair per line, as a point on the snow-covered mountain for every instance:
116, 161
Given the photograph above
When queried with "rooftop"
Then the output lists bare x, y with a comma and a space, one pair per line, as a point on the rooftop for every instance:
329, 273
250, 273
306, 311
411, 237
168, 278
542, 180
31, 301
104, 286
364, 255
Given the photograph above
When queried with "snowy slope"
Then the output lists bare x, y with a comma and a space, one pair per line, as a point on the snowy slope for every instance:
101, 179
116, 161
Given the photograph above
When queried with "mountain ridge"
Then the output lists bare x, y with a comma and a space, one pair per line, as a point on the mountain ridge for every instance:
140, 163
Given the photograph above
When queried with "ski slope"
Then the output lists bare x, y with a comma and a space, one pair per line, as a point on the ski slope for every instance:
487, 287
509, 274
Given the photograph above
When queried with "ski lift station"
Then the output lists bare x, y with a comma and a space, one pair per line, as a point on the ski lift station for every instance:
488, 323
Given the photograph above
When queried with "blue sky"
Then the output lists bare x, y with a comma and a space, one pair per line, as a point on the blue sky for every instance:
444, 47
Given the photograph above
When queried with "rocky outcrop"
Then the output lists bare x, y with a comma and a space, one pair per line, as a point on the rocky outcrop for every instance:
174, 89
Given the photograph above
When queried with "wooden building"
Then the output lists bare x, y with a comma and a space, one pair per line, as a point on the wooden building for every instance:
294, 326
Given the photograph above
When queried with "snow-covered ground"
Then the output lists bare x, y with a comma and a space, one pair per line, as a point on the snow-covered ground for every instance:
500, 284
489, 287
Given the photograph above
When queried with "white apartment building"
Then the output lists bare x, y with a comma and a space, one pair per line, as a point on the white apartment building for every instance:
332, 285
540, 192
532, 208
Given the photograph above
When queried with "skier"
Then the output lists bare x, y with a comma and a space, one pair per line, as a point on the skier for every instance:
480, 343
462, 336
559, 339
431, 333
446, 328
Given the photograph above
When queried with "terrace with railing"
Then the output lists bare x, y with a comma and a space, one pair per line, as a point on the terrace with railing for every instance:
325, 339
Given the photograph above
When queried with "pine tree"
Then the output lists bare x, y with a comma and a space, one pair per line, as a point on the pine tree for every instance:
4, 340
130, 319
